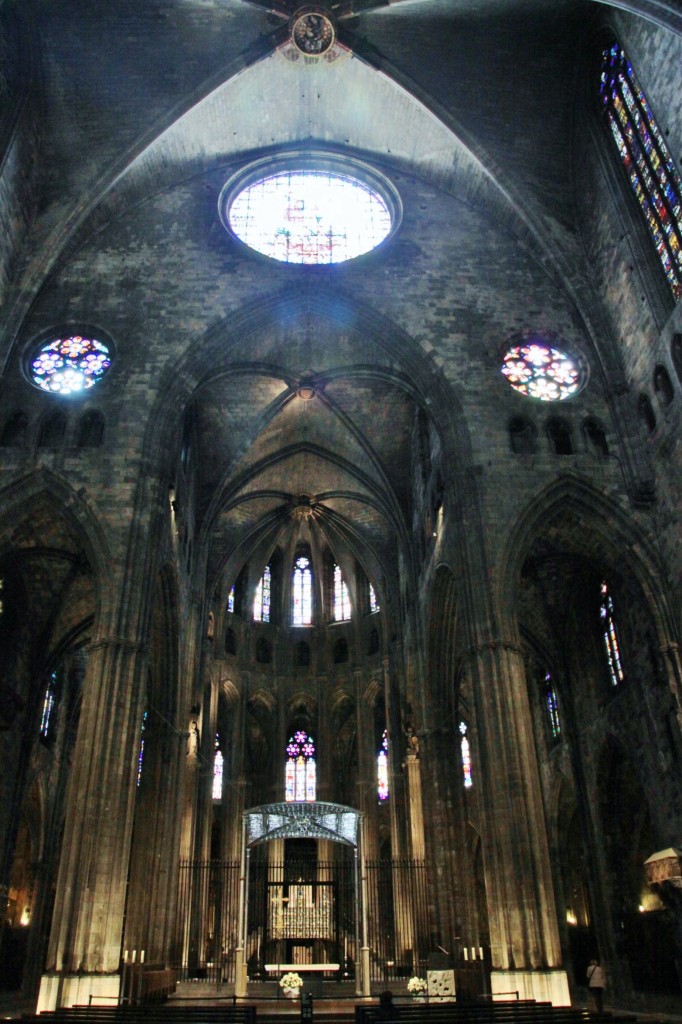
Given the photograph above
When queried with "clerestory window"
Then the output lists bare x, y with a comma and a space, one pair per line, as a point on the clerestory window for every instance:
261, 604
341, 596
302, 592
646, 159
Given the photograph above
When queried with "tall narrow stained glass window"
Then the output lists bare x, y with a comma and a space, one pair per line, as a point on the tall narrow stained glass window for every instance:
465, 752
646, 159
552, 706
341, 597
261, 604
300, 771
302, 586
610, 634
382, 768
140, 753
230, 601
218, 764
49, 714
373, 605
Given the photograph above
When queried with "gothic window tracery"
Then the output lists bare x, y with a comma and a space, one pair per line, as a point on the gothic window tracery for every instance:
302, 592
646, 159
300, 768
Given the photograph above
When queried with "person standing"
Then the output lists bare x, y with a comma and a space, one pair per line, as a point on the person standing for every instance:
596, 982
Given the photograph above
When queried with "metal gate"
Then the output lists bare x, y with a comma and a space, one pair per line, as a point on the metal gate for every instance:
301, 911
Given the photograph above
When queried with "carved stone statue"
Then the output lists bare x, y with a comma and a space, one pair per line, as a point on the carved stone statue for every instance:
193, 740
412, 741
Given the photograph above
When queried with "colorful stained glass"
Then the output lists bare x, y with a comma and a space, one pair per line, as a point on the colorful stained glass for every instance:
49, 703
465, 753
610, 634
552, 705
646, 159
373, 606
541, 371
230, 601
302, 586
140, 753
341, 597
261, 604
68, 365
310, 217
300, 769
382, 768
218, 764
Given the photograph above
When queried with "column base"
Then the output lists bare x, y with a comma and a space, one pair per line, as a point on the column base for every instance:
548, 986
57, 990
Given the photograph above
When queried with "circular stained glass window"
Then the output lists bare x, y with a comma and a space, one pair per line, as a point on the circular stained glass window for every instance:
310, 215
67, 365
539, 370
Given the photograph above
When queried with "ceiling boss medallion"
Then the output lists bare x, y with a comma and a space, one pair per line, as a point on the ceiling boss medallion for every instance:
312, 31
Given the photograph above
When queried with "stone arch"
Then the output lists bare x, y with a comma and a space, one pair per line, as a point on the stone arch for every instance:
606, 530
43, 493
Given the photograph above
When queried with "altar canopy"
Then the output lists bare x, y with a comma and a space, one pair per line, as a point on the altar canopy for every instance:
309, 820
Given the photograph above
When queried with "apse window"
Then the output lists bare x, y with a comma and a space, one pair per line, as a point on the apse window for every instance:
539, 370
465, 754
341, 597
261, 603
382, 769
646, 160
313, 214
218, 765
49, 712
302, 592
68, 365
300, 772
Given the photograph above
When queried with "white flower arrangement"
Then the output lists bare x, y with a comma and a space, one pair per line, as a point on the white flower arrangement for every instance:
291, 980
416, 985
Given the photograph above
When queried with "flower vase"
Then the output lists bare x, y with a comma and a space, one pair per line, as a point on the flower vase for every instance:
290, 993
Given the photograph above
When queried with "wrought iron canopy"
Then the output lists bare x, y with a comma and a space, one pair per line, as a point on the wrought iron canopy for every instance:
309, 820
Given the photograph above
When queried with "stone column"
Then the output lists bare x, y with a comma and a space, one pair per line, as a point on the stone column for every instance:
524, 934
85, 944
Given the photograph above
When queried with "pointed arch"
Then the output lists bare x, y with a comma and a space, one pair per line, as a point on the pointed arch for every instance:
606, 532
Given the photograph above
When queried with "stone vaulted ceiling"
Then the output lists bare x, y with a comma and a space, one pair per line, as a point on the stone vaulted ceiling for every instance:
149, 108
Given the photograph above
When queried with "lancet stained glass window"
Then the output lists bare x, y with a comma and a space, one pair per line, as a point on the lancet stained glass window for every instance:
341, 597
299, 775
302, 586
382, 768
68, 365
261, 604
465, 752
230, 601
48, 716
552, 706
610, 634
373, 605
537, 369
646, 159
310, 216
218, 764
140, 753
